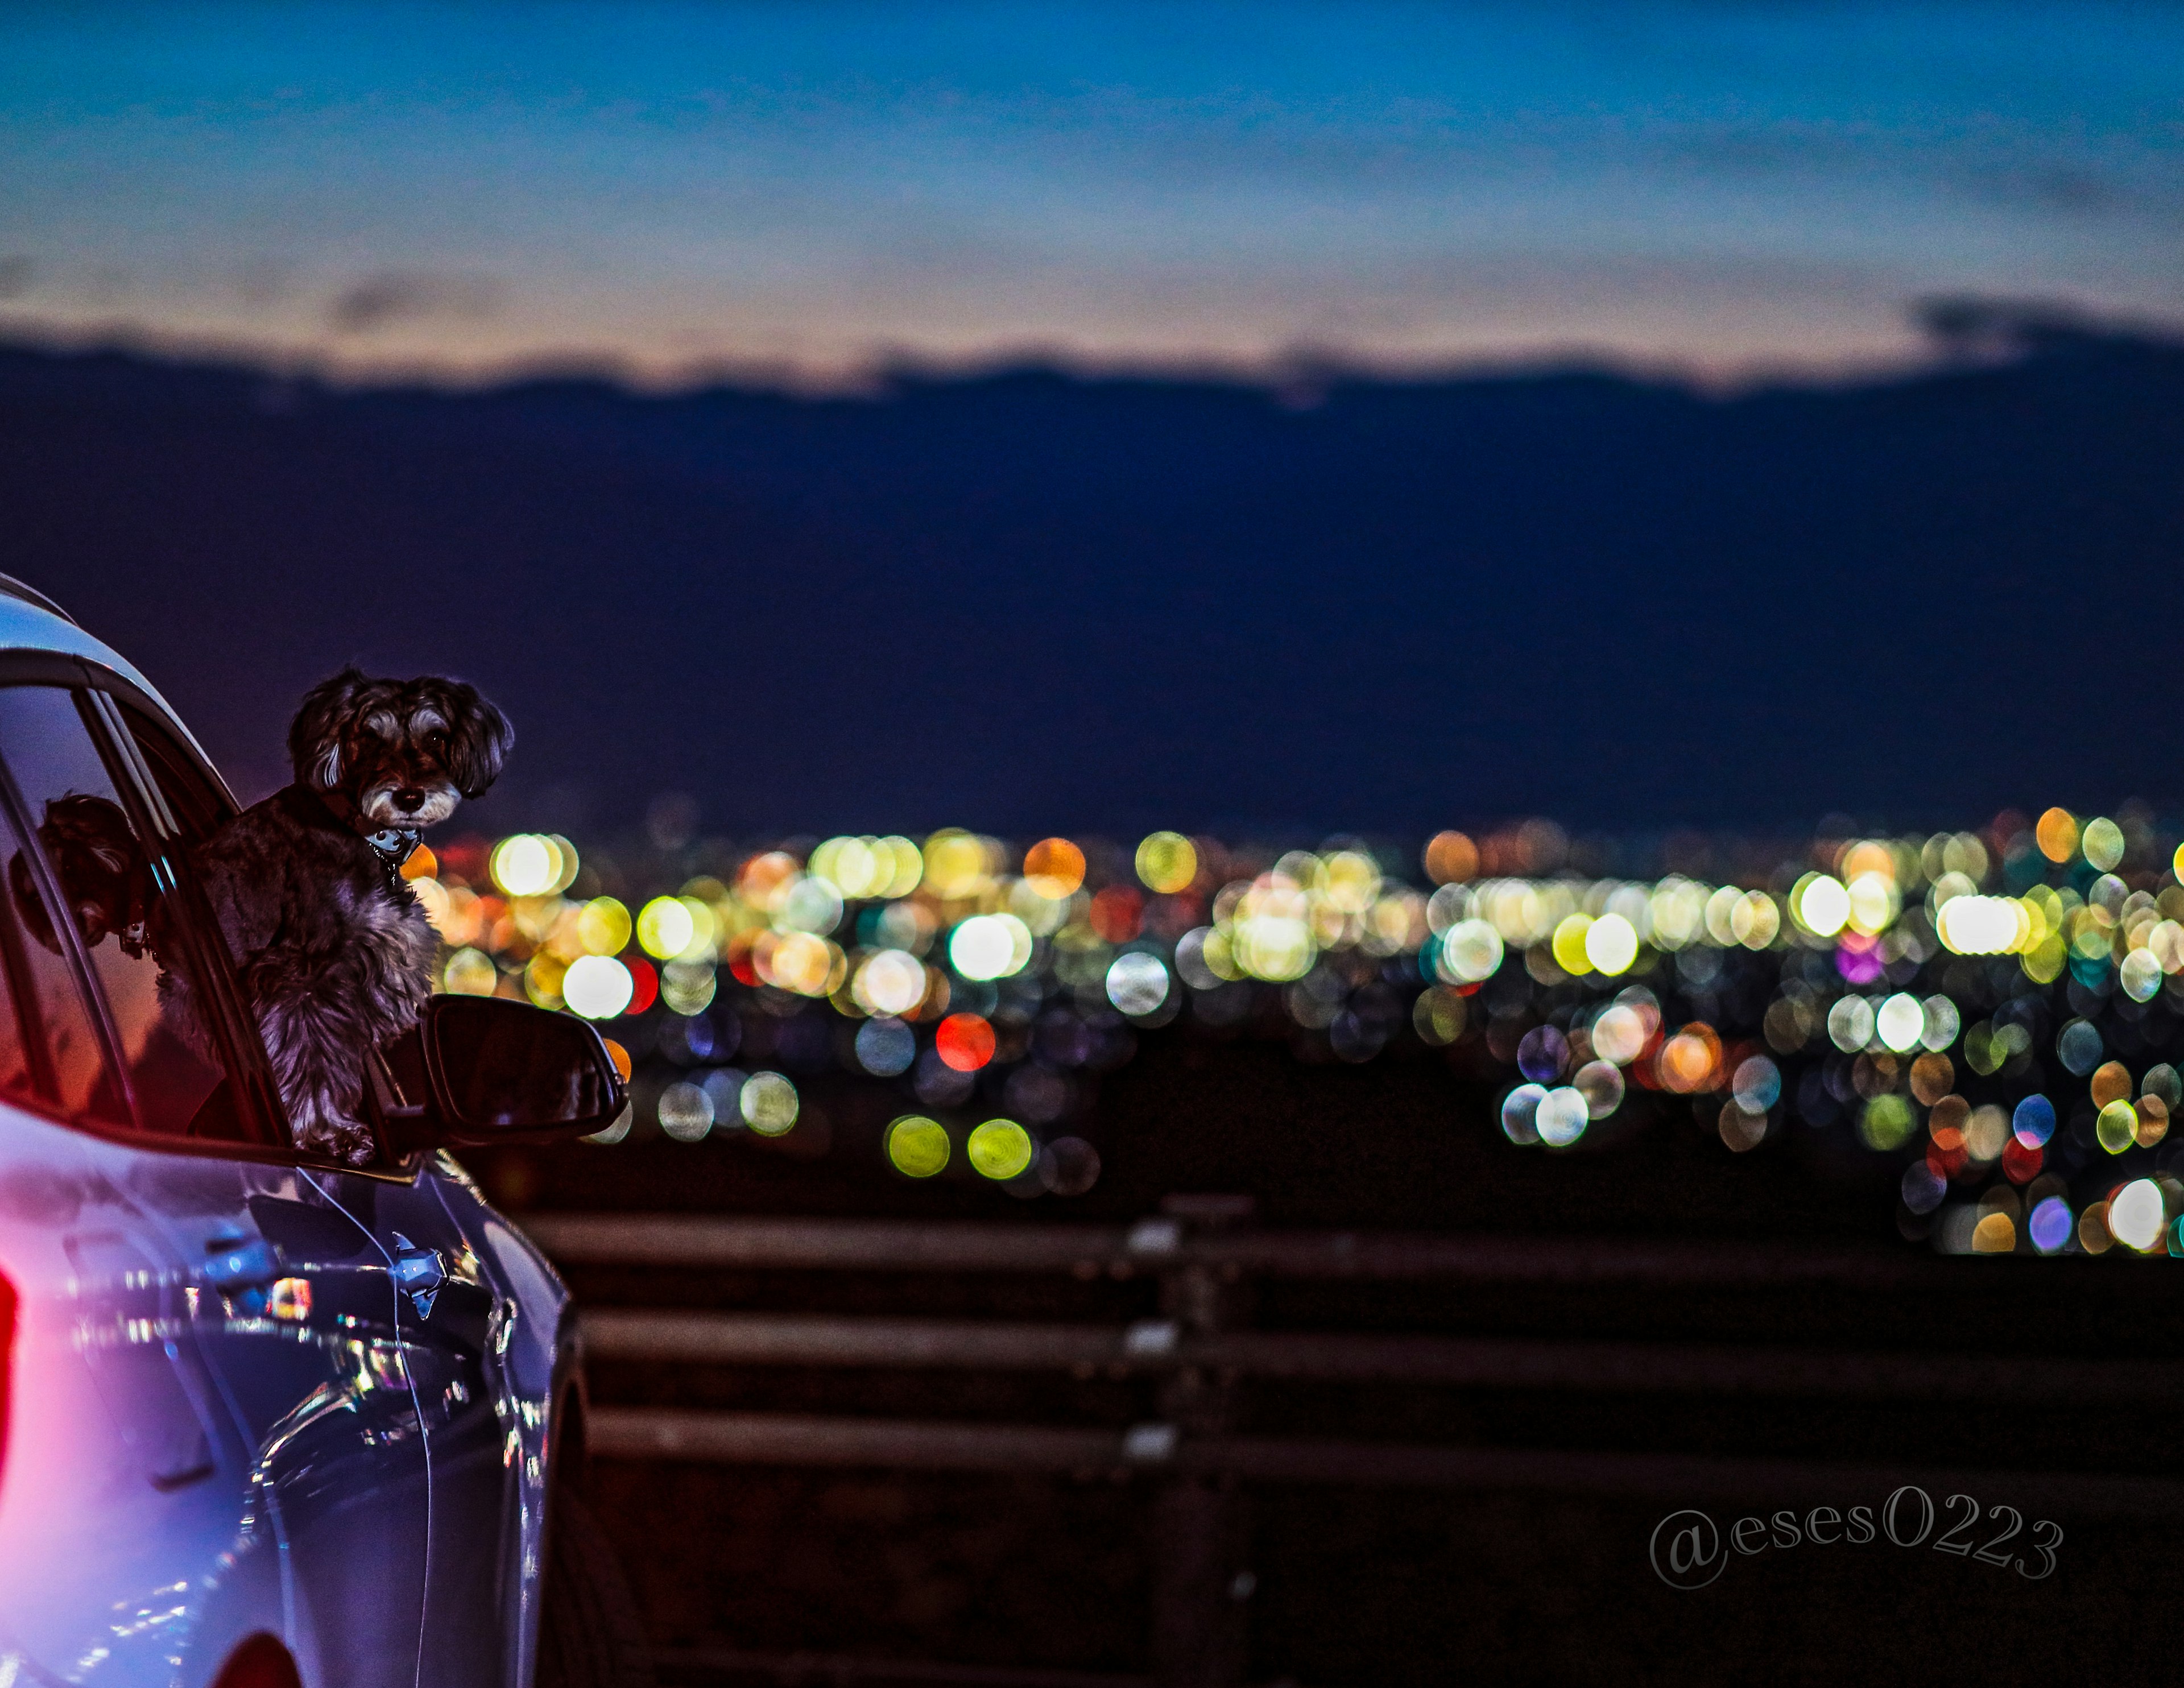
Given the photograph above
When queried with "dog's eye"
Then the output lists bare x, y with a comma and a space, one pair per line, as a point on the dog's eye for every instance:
437, 742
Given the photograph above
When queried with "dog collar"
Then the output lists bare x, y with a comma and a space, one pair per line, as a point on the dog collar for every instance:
392, 845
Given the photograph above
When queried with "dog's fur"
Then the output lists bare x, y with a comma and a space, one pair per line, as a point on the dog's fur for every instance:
333, 950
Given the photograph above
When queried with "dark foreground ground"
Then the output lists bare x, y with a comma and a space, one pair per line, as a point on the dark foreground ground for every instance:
1388, 1586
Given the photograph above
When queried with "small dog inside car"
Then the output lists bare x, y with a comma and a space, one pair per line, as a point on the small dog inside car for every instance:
333, 950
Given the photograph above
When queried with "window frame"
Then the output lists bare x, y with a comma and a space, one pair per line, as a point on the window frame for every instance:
100, 695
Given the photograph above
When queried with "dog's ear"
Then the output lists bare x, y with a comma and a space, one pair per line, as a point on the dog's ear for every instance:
315, 736
479, 740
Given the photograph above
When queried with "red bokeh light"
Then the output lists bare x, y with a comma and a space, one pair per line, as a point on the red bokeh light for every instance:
964, 1042
1115, 914
739, 958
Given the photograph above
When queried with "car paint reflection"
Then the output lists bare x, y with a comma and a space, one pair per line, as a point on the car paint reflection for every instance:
188, 1464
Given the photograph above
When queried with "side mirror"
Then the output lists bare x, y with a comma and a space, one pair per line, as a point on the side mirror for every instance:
482, 1071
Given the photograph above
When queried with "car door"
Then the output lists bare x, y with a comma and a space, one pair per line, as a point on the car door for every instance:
317, 1366
531, 1350
486, 1479
297, 1316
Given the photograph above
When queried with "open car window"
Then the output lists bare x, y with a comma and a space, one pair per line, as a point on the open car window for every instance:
197, 804
200, 805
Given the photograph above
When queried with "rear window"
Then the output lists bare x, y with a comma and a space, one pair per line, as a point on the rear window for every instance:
85, 856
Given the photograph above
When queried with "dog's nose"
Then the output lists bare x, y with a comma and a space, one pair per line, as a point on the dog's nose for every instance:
410, 799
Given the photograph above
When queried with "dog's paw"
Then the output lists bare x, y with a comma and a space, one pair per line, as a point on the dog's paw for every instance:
345, 1140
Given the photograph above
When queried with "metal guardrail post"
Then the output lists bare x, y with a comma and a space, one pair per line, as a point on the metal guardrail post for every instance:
1201, 1520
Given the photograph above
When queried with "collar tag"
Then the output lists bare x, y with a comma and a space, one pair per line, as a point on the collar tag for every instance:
394, 845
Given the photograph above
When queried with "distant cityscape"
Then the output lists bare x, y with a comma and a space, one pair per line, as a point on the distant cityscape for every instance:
1994, 1010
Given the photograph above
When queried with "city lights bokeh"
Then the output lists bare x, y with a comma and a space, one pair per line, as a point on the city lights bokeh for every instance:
1992, 1014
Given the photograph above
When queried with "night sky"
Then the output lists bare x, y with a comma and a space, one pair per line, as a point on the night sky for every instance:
808, 188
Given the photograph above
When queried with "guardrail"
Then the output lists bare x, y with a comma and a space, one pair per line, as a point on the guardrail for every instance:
1163, 1345
1199, 1356
1186, 1237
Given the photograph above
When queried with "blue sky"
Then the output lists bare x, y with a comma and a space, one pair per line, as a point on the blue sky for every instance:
813, 188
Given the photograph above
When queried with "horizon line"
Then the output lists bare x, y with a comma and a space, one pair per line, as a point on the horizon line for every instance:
1952, 332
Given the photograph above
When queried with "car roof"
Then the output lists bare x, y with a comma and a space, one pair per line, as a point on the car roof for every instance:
31, 620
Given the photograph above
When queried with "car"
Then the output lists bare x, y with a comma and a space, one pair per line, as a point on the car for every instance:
269, 1421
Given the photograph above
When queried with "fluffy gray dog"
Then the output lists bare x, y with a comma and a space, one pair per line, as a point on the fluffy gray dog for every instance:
333, 950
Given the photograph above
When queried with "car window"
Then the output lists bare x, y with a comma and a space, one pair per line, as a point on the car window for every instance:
50, 1053
101, 872
198, 806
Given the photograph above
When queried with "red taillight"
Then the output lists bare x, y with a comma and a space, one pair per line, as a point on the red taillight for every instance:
7, 1362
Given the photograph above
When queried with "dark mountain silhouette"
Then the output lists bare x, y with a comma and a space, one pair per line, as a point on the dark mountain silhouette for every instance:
1026, 601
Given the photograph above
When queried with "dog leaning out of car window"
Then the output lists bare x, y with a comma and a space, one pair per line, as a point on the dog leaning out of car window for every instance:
333, 950
330, 946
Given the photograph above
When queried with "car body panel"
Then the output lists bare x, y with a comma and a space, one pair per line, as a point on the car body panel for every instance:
313, 1361
111, 1569
487, 1352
